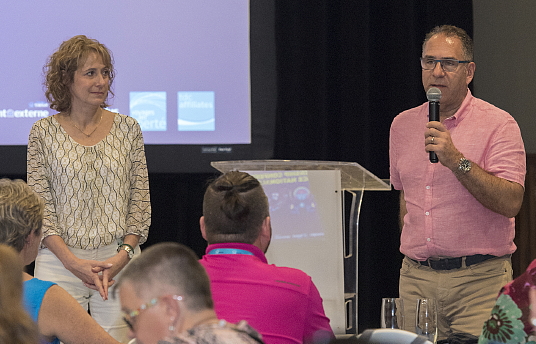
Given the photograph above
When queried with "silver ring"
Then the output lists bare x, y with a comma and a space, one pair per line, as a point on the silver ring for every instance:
433, 139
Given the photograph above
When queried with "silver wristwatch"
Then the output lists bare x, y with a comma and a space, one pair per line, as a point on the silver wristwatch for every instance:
127, 248
464, 165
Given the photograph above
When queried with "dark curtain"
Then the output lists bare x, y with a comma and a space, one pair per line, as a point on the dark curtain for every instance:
345, 70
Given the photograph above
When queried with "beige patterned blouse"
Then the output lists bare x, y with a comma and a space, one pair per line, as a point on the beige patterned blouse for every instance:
220, 333
93, 194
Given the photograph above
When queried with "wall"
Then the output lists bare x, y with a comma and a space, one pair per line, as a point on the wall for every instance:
505, 52
505, 48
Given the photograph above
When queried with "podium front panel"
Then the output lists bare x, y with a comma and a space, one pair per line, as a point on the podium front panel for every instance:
307, 229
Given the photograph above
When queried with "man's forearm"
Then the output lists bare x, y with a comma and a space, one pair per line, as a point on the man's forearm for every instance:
497, 194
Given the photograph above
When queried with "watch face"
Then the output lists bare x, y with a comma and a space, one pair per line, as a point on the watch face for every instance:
129, 251
465, 165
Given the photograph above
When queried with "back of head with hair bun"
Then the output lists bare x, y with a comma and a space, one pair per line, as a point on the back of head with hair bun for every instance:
234, 208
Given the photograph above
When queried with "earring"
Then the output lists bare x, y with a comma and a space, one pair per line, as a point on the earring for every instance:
171, 327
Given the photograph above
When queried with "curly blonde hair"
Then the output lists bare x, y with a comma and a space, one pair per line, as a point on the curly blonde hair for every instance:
61, 66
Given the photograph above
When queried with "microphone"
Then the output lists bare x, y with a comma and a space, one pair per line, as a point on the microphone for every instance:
434, 95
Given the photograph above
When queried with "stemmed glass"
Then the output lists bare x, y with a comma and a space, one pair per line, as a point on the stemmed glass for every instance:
426, 319
392, 315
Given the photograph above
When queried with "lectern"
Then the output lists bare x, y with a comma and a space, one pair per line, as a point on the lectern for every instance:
312, 228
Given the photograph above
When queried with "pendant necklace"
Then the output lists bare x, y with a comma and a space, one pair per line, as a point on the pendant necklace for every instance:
87, 135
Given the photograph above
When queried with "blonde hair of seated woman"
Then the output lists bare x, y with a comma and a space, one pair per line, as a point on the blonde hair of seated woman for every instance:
16, 326
60, 315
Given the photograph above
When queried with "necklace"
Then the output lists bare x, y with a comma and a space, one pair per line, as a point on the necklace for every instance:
87, 135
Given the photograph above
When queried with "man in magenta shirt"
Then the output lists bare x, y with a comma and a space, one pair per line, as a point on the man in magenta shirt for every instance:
457, 216
281, 303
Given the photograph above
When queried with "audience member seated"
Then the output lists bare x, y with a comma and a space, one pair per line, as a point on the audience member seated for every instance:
58, 314
16, 326
283, 304
165, 294
511, 319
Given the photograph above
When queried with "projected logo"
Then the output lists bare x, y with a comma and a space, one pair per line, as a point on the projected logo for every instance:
196, 111
293, 207
149, 109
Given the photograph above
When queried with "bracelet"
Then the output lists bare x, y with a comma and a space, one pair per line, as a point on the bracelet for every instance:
131, 248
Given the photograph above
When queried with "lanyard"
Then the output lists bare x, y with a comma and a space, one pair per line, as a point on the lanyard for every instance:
229, 251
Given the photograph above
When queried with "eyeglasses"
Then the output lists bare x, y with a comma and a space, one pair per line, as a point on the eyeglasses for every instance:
448, 65
130, 318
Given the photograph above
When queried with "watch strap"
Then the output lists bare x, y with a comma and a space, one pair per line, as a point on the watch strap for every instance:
132, 248
128, 248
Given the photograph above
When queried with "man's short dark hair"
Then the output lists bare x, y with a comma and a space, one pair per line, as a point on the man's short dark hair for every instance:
169, 267
453, 31
234, 208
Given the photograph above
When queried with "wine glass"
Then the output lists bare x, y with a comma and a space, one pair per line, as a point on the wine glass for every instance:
426, 319
392, 315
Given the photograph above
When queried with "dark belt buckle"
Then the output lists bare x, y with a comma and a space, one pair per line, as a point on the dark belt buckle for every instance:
445, 263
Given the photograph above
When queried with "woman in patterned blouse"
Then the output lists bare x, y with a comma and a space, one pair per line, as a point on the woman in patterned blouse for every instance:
89, 166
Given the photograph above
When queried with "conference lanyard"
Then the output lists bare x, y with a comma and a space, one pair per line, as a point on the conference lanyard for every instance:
229, 251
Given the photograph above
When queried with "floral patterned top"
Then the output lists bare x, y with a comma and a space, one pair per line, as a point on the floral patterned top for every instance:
509, 321
219, 333
94, 195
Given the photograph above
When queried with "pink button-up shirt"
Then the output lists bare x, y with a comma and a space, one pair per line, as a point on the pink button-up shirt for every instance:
443, 219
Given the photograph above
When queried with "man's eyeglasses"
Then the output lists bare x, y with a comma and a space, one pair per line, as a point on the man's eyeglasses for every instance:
129, 318
448, 65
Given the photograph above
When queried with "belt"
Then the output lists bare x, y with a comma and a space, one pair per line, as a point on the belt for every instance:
454, 263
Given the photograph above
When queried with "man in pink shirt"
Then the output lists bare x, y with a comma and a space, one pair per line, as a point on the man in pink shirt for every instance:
457, 216
281, 303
